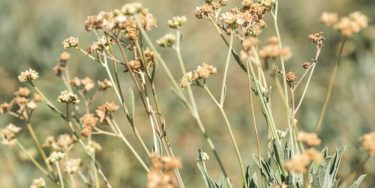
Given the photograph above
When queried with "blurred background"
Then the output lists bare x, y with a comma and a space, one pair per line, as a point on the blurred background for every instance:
31, 33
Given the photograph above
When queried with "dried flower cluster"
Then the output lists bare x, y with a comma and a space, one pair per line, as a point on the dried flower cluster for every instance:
310, 139
300, 162
63, 143
348, 25
70, 42
202, 72
368, 143
89, 122
28, 75
8, 135
167, 40
272, 50
68, 98
38, 183
105, 111
122, 21
317, 39
55, 157
177, 22
161, 172
72, 166
244, 21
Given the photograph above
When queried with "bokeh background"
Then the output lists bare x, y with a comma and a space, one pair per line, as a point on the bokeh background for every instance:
31, 33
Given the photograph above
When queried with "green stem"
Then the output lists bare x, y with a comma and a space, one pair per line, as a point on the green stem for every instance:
60, 175
330, 86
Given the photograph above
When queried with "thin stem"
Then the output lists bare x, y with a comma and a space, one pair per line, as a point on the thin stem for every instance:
32, 159
305, 89
229, 128
223, 86
36, 141
60, 175
330, 86
113, 123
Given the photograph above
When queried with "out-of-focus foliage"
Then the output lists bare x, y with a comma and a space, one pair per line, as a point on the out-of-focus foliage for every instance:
31, 32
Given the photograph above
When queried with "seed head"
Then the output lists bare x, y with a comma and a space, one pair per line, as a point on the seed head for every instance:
28, 75
64, 56
131, 8
177, 22
8, 135
55, 157
329, 18
368, 143
72, 166
68, 98
70, 42
167, 40
38, 183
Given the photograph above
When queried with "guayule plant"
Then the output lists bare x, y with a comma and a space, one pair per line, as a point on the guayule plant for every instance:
123, 46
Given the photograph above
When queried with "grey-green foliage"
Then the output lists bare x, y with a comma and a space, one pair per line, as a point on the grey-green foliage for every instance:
273, 173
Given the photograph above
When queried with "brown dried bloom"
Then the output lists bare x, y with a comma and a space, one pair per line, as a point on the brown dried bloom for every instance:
38, 183
64, 141
249, 43
88, 84
131, 8
204, 10
105, 111
93, 147
4, 107
89, 120
64, 56
167, 40
314, 155
135, 65
38, 98
368, 143
23, 92
70, 42
306, 65
76, 82
68, 98
8, 135
49, 141
177, 22
291, 76
298, 163
28, 75
310, 139
317, 38
329, 18
351, 24
202, 72
161, 172
55, 157
104, 85
72, 166
272, 50
59, 69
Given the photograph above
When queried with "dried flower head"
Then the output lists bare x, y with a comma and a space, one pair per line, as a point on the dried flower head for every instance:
104, 85
272, 50
68, 98
4, 107
70, 42
38, 183
317, 38
135, 65
49, 141
105, 111
298, 163
28, 75
92, 147
291, 76
177, 22
89, 120
314, 155
64, 141
329, 18
72, 166
88, 84
131, 8
23, 92
55, 157
201, 72
8, 135
167, 40
38, 98
161, 172
310, 139
349, 25
368, 143
64, 56
306, 65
